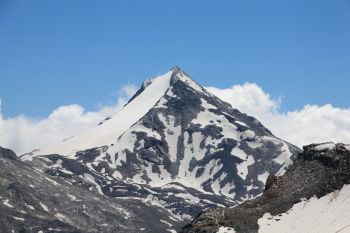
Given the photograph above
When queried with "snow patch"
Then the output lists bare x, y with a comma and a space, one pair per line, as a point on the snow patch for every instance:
263, 177
330, 213
7, 203
242, 167
226, 230
239, 153
325, 146
171, 135
241, 123
91, 179
44, 207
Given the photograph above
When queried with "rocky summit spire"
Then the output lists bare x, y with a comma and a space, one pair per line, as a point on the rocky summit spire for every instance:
179, 74
176, 70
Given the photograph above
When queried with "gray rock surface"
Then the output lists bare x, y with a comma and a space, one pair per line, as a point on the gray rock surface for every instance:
32, 201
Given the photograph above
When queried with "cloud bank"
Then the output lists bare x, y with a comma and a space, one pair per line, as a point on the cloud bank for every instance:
23, 134
310, 124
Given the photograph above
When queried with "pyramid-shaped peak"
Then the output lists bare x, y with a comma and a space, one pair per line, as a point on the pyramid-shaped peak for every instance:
177, 71
143, 100
179, 74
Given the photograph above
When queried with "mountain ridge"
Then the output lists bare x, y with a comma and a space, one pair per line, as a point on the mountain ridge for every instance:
174, 145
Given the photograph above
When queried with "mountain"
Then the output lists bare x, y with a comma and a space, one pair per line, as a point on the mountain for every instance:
174, 146
312, 196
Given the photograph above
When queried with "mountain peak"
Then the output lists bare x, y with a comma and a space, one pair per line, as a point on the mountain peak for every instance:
176, 70
173, 135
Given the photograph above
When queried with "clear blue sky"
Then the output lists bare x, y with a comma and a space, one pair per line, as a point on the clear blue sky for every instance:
79, 51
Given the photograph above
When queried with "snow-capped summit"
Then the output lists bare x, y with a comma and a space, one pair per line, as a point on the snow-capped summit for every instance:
108, 131
175, 145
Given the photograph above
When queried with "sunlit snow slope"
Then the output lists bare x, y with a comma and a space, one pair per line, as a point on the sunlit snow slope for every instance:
108, 132
328, 214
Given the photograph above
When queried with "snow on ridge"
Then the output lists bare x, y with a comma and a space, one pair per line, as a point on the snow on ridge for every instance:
325, 146
329, 146
347, 147
226, 230
120, 121
330, 213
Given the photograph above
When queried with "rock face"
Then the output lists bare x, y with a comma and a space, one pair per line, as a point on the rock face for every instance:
313, 194
173, 145
32, 201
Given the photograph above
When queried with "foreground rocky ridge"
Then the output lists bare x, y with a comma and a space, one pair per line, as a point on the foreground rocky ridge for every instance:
32, 201
320, 170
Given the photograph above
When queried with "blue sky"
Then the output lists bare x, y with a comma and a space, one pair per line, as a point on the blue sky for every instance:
62, 51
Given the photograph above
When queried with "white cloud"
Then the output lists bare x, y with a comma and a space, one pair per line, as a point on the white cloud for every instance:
311, 124
23, 134
304, 126
248, 98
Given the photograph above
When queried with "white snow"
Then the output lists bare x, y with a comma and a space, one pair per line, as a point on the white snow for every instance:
347, 147
17, 218
29, 206
52, 181
175, 186
165, 222
254, 144
241, 123
226, 230
7, 203
120, 121
171, 230
190, 198
329, 214
171, 135
44, 207
184, 78
91, 179
248, 134
72, 197
204, 118
61, 217
263, 177
243, 166
325, 146
239, 153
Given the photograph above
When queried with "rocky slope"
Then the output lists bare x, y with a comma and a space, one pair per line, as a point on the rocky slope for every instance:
174, 145
32, 201
312, 196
